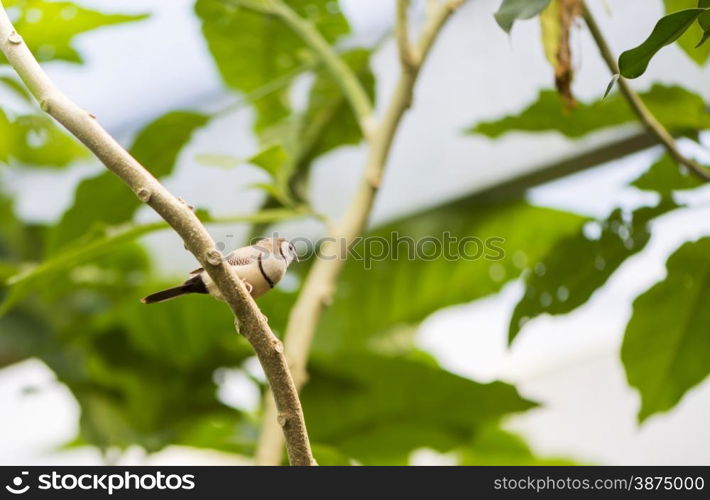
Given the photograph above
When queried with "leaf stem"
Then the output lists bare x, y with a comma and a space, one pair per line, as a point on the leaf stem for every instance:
636, 103
84, 126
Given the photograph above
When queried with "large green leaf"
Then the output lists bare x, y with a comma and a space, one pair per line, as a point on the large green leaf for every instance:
578, 265
34, 140
666, 349
633, 63
253, 48
665, 176
679, 110
398, 291
327, 123
513, 10
690, 39
183, 333
104, 200
387, 407
494, 446
48, 27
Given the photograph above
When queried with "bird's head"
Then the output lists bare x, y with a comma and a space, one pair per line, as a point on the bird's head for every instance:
280, 248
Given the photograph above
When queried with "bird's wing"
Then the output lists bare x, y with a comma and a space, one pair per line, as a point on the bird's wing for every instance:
239, 257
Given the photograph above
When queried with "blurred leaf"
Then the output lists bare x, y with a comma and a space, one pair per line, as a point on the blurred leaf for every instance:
184, 332
48, 27
400, 290
70, 258
217, 160
496, 447
104, 200
633, 63
513, 10
21, 335
329, 121
704, 23
233, 30
329, 456
679, 110
578, 266
666, 349
272, 160
327, 124
34, 140
666, 176
689, 40
387, 407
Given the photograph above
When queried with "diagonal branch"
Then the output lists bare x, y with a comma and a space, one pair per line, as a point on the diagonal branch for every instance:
183, 220
637, 105
320, 284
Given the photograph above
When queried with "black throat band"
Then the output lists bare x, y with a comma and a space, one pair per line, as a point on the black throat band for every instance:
263, 273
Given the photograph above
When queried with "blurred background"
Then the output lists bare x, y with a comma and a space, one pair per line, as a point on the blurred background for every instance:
412, 363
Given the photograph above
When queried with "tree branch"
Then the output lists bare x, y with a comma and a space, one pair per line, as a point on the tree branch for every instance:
320, 284
183, 220
637, 104
401, 28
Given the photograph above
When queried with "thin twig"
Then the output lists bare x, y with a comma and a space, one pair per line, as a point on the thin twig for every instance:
320, 284
637, 105
401, 28
84, 126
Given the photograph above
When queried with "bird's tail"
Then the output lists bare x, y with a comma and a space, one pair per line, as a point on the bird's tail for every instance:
193, 285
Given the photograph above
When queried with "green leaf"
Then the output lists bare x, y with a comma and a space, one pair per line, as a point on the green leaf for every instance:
182, 333
35, 141
578, 266
398, 290
329, 121
103, 200
388, 407
633, 63
493, 446
704, 22
666, 349
666, 176
48, 27
679, 110
272, 160
513, 10
688, 42
233, 30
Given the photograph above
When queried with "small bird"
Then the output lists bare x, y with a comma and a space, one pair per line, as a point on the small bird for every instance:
260, 267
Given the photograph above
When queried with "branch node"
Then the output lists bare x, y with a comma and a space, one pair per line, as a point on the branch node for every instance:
214, 257
282, 419
45, 105
191, 207
144, 194
91, 115
277, 345
14, 38
375, 179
